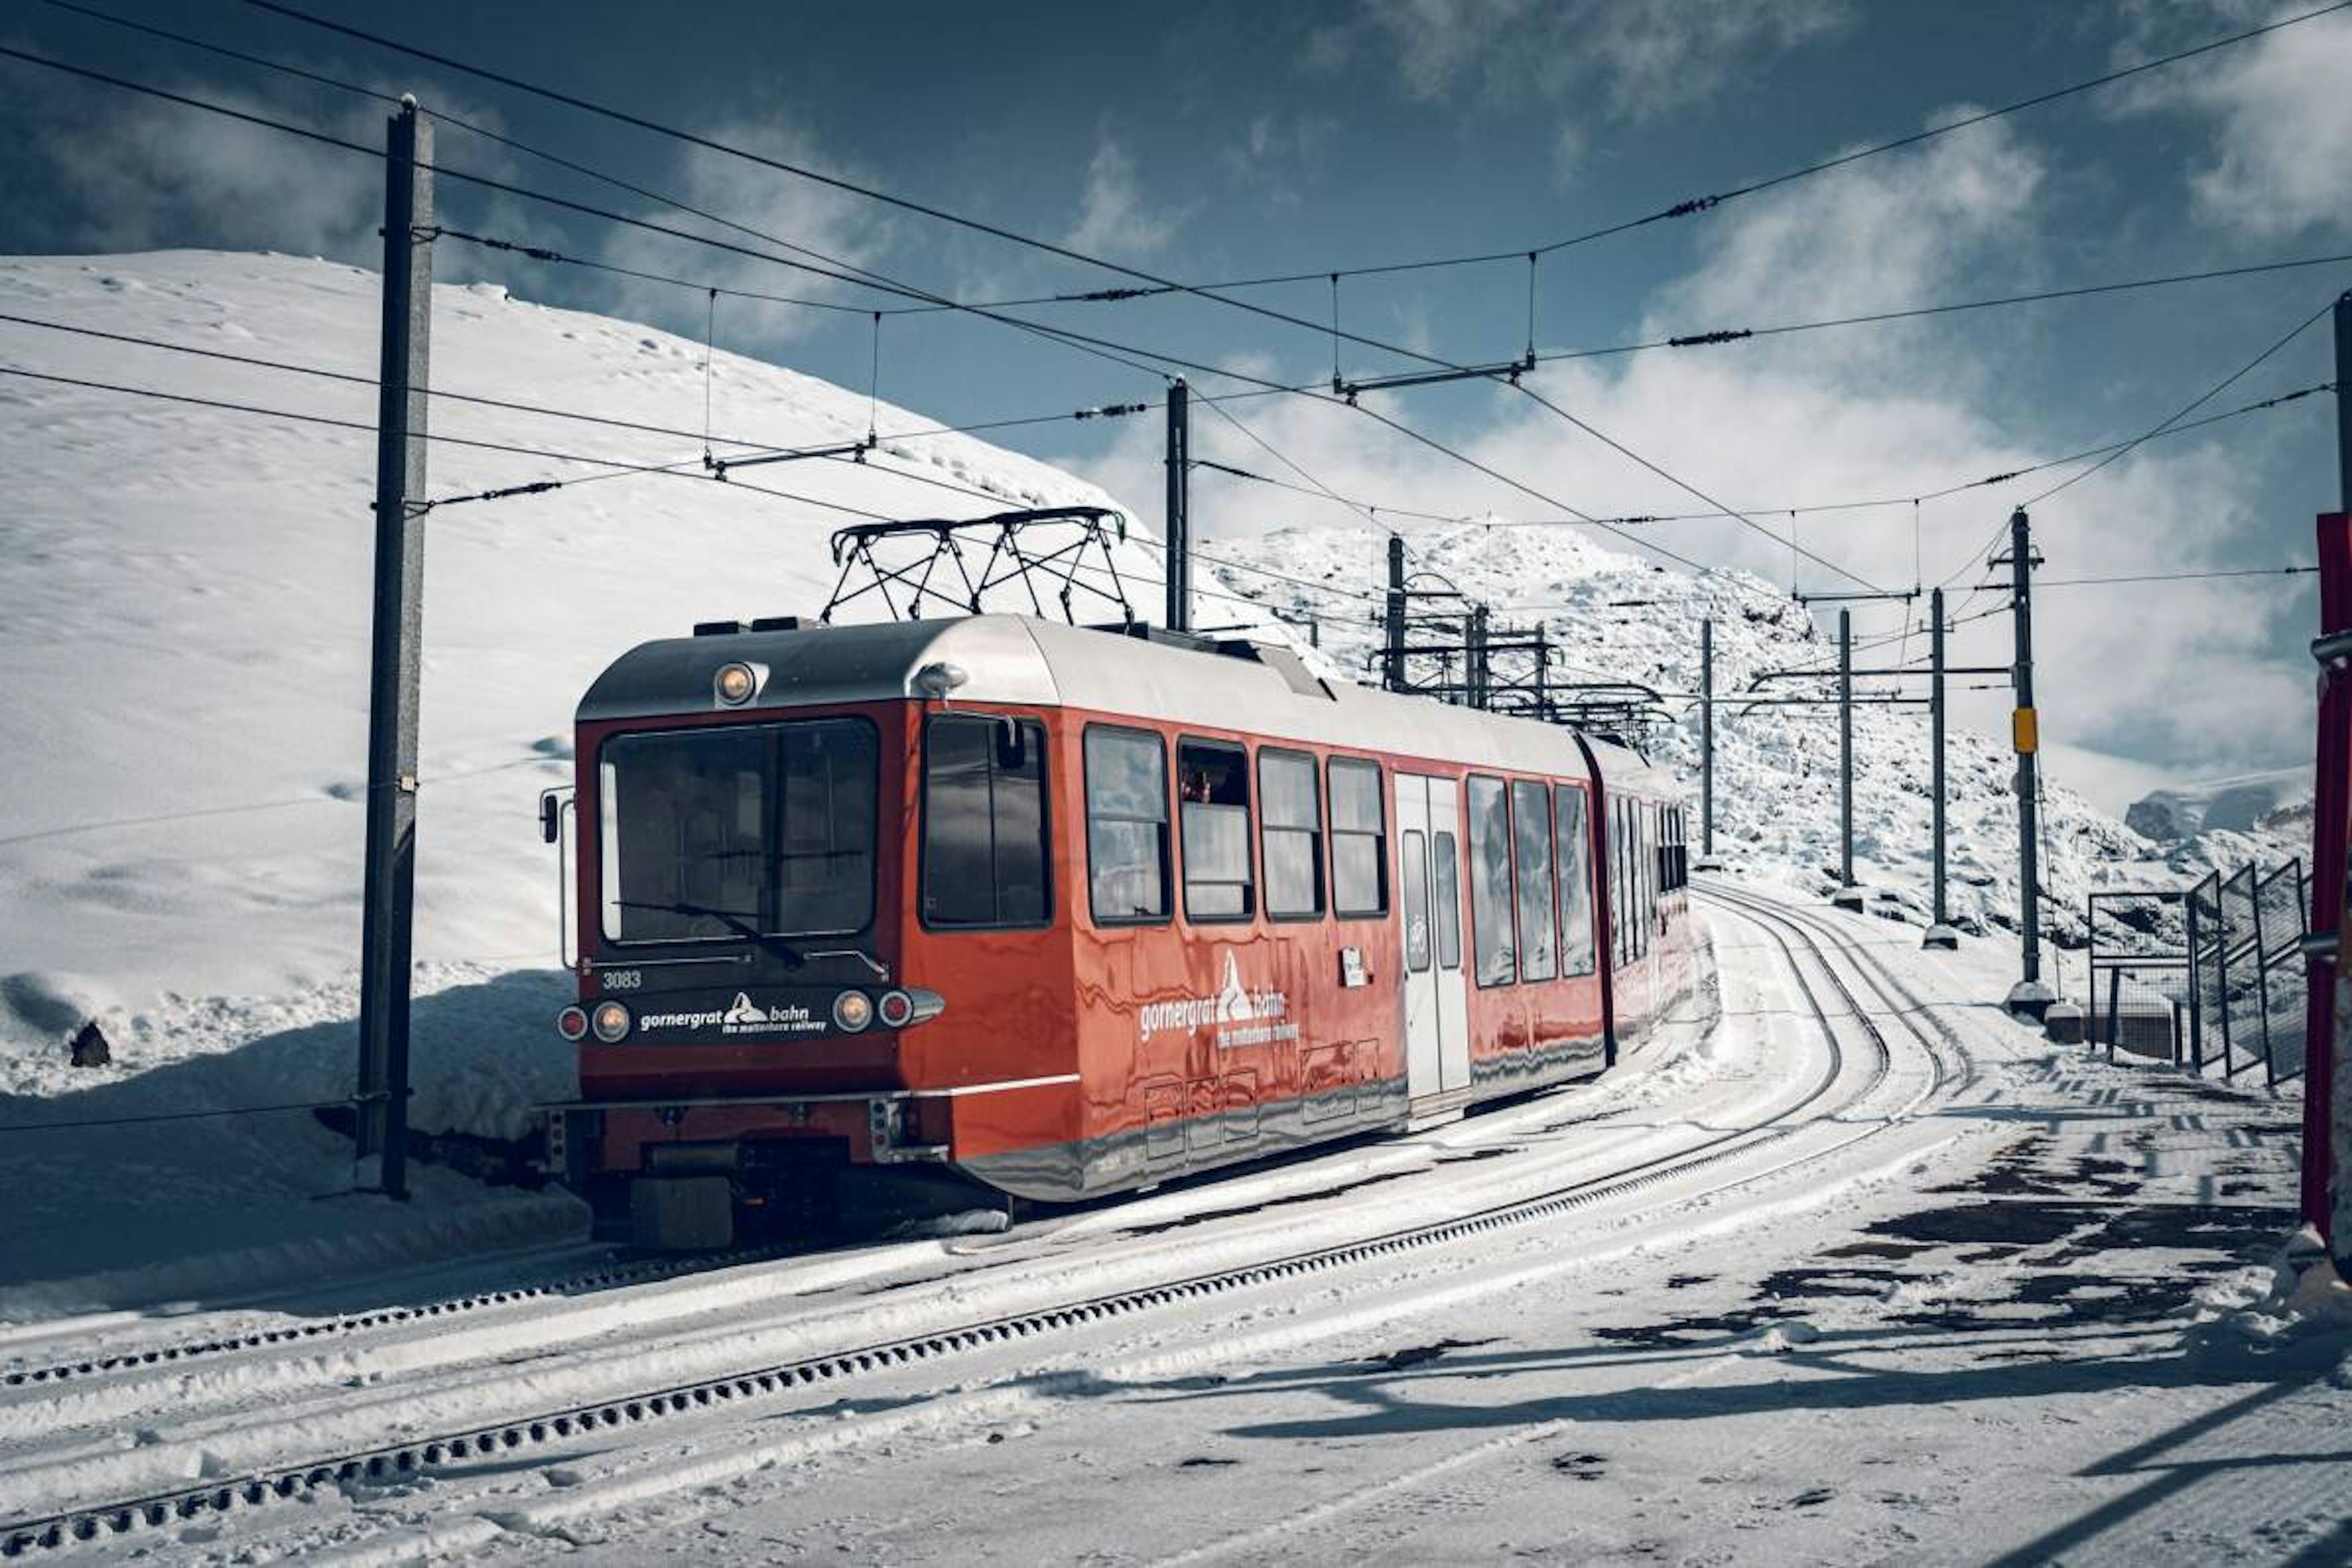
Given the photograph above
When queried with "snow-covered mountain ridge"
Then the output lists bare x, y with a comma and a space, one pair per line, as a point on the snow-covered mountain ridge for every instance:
1616, 618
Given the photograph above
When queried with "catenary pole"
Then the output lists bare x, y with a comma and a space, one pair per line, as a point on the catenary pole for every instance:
1393, 641
2029, 995
1706, 738
1179, 492
1845, 749
1940, 929
1478, 651
388, 906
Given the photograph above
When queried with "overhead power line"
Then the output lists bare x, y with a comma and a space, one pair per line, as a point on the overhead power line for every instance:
2041, 582
1914, 312
1687, 207
997, 231
674, 470
2191, 406
2007, 477
1104, 347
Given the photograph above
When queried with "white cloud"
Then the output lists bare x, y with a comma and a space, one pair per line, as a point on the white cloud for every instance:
152, 174
1113, 217
2178, 671
2281, 156
833, 229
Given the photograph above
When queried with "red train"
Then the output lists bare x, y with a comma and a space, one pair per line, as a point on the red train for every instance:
1063, 911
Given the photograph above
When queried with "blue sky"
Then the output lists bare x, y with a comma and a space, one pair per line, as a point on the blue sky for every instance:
1228, 140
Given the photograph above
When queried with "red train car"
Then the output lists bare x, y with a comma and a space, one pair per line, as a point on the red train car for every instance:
1063, 911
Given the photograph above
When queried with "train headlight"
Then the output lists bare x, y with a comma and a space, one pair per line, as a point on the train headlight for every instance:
611, 1021
852, 1011
735, 684
897, 1009
573, 1023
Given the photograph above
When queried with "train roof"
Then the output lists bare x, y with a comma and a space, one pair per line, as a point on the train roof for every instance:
1259, 687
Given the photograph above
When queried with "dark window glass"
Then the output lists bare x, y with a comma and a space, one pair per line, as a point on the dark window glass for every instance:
728, 833
685, 833
1214, 783
1575, 879
1620, 893
1290, 810
1360, 861
1490, 884
1532, 847
1445, 891
1416, 904
824, 835
1645, 867
1127, 825
984, 849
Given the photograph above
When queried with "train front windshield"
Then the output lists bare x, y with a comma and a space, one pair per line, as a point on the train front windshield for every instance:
753, 830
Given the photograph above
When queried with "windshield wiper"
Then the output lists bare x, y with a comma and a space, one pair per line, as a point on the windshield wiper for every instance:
733, 920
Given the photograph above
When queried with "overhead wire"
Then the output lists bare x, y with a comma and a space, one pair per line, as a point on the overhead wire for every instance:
368, 427
1682, 208
939, 214
868, 280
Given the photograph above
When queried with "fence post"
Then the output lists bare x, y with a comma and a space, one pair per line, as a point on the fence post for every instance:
2115, 1000
2262, 975
2222, 971
2196, 991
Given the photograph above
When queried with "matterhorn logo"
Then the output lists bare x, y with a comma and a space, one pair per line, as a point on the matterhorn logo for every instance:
1240, 1016
748, 1017
1235, 1006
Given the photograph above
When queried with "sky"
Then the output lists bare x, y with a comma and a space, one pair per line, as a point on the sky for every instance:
1232, 141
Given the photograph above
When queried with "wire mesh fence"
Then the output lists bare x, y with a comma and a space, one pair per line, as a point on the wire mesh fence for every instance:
2209, 977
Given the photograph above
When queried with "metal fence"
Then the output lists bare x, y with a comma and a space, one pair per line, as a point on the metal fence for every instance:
2208, 977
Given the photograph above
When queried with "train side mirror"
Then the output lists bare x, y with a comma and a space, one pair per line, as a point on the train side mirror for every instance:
550, 817
1012, 745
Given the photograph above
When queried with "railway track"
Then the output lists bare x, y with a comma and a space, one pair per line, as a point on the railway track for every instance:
763, 1381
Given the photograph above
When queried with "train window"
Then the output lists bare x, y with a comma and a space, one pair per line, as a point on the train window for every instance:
824, 829
1645, 874
1445, 891
1531, 851
1416, 903
1359, 858
985, 842
1621, 890
1213, 780
1575, 863
1490, 883
716, 834
1291, 831
685, 833
1127, 825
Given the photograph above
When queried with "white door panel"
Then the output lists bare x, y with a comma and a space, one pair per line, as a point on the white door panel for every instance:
1429, 893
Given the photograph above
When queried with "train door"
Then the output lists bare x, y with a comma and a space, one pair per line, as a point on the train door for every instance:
1429, 884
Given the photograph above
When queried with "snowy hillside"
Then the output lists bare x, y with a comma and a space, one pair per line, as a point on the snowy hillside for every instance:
1619, 619
183, 732
182, 739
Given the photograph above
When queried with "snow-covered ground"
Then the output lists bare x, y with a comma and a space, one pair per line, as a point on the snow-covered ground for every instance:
1900, 1282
